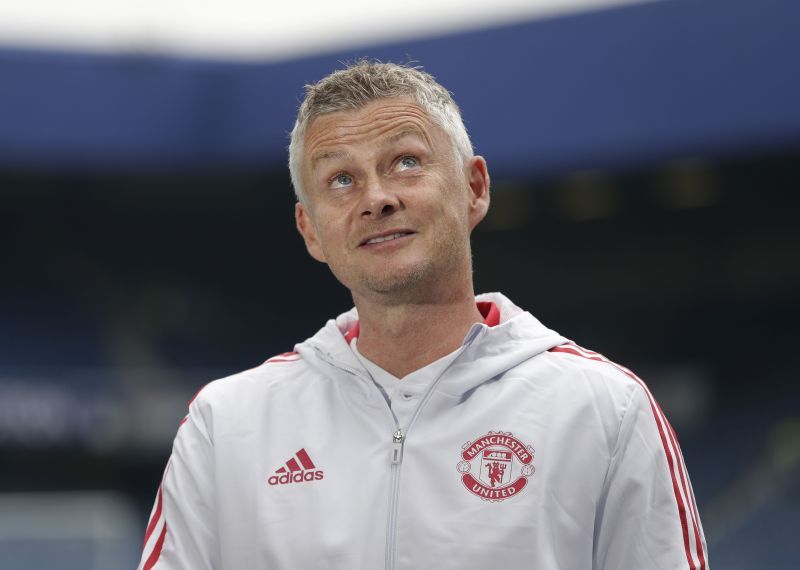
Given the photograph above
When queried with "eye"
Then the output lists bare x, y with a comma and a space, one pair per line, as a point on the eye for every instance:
407, 162
341, 180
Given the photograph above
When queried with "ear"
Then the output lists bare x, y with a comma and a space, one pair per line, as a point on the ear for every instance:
307, 229
478, 179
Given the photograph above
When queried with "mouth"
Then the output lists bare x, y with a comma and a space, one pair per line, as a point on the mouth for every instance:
386, 236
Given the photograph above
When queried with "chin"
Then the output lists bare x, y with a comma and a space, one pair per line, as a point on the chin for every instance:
395, 281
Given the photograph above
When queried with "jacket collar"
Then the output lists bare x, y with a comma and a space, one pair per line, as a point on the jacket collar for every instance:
507, 337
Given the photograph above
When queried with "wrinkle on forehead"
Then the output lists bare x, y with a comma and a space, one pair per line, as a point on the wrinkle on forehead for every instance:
379, 120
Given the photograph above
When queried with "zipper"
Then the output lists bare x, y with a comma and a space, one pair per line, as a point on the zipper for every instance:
398, 440
397, 446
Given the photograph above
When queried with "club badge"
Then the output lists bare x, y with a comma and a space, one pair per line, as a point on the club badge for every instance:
495, 466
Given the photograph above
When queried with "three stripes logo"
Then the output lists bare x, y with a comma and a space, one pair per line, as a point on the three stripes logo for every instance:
298, 469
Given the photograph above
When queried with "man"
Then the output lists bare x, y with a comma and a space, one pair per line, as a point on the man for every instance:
426, 427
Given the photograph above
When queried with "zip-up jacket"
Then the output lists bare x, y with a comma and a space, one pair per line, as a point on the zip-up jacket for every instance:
526, 451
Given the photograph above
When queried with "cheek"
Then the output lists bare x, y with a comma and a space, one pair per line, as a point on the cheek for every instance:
455, 205
332, 235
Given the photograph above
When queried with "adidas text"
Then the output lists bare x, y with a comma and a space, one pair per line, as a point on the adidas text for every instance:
298, 477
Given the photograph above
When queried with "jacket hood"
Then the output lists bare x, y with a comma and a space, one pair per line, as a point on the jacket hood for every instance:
486, 352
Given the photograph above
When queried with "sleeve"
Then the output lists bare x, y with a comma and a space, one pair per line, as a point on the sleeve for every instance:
646, 515
181, 533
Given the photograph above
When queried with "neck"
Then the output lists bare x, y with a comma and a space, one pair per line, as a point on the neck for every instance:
402, 337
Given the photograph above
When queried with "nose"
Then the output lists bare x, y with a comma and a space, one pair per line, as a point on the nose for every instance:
378, 201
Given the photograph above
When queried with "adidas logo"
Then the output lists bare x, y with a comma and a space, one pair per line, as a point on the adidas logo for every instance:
292, 472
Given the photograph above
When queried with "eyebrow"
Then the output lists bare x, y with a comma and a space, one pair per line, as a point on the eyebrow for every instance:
329, 155
407, 132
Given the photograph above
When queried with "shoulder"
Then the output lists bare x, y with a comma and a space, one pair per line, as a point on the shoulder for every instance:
275, 373
580, 360
604, 379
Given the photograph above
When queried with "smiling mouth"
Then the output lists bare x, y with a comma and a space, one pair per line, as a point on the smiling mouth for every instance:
389, 237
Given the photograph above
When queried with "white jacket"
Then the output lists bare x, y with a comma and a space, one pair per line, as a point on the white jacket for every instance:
526, 452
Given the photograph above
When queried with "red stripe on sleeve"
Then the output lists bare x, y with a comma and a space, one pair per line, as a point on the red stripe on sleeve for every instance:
284, 357
675, 489
153, 558
687, 492
154, 519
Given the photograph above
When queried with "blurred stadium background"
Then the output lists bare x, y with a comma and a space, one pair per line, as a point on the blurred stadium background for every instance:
645, 160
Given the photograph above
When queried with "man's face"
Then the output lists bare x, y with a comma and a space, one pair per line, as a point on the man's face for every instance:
389, 206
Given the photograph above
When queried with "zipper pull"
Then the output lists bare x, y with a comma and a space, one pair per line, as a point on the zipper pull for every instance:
397, 446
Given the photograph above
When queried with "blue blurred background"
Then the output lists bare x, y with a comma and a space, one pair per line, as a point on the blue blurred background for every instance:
645, 159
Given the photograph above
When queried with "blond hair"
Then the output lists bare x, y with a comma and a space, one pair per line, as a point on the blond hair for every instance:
366, 81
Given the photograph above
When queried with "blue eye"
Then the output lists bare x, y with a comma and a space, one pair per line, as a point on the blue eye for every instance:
408, 162
341, 180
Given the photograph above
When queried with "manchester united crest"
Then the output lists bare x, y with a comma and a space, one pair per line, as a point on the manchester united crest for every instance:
495, 466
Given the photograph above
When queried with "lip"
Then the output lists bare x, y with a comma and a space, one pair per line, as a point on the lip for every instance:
407, 233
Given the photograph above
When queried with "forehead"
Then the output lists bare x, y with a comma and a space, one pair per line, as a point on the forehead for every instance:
377, 120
